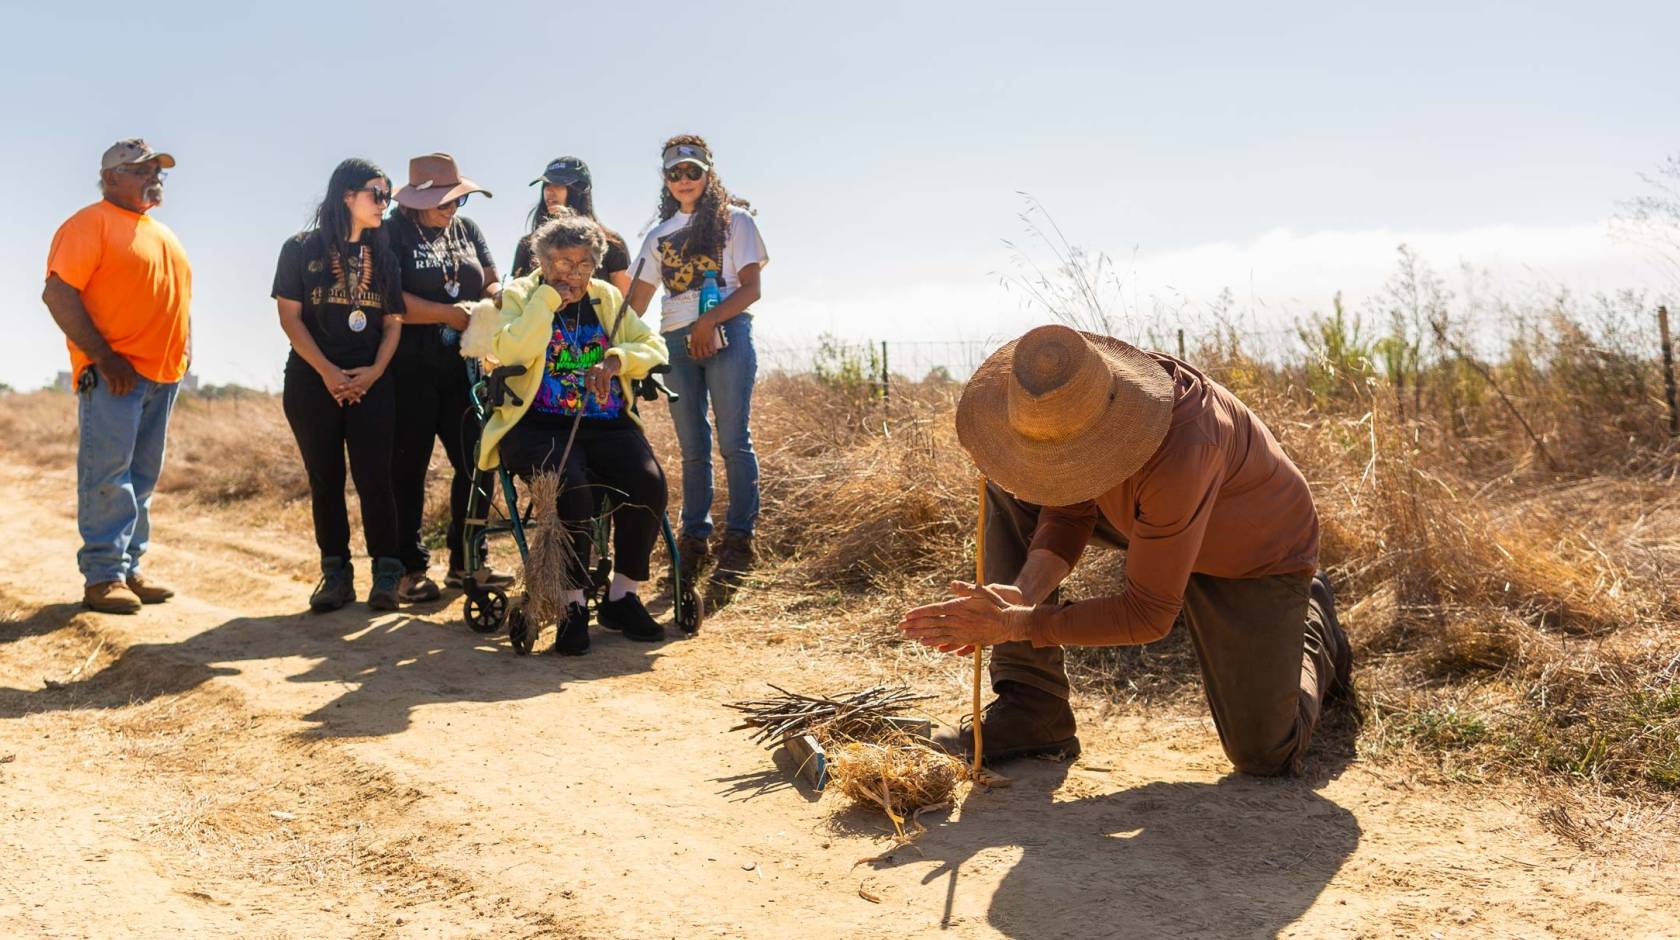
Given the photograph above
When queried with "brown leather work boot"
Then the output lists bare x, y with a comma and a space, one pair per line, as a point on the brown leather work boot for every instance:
734, 559
149, 592
110, 597
1021, 722
693, 553
1341, 686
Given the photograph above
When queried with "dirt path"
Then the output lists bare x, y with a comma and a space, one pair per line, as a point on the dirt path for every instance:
222, 764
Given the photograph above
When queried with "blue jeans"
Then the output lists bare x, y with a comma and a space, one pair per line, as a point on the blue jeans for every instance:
726, 381
119, 456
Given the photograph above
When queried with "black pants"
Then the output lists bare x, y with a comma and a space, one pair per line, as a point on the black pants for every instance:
433, 404
324, 430
616, 461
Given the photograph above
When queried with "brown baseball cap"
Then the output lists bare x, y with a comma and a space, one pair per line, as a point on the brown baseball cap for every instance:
132, 150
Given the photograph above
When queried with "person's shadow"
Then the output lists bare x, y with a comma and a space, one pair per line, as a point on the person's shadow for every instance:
1243, 857
387, 665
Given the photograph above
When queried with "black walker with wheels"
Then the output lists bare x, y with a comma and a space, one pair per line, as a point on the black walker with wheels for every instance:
489, 608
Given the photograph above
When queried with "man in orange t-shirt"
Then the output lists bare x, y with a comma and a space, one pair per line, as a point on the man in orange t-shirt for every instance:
119, 286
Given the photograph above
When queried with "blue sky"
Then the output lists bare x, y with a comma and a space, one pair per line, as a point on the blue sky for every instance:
1280, 151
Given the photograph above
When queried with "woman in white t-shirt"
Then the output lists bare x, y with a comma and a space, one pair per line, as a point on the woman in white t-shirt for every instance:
703, 229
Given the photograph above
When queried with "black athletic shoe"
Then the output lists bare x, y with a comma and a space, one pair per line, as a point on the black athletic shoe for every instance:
387, 577
573, 638
628, 615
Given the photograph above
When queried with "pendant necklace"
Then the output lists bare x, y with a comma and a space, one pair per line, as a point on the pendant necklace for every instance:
355, 285
447, 259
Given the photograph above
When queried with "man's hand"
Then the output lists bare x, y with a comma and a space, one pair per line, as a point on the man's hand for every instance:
600, 377
118, 373
357, 383
703, 338
977, 616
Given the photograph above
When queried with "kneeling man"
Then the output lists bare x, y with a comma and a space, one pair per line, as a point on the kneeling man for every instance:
1085, 437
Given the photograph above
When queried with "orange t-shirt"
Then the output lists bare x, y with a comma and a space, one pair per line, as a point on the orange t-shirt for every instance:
135, 282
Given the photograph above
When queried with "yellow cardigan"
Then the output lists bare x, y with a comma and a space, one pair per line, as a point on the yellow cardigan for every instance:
524, 326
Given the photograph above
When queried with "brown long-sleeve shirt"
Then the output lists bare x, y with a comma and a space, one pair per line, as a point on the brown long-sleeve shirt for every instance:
1219, 497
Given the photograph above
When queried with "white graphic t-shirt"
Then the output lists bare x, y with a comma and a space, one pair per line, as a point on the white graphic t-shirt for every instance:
661, 261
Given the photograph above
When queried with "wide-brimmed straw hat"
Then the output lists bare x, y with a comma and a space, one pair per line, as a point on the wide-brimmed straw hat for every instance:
434, 180
1058, 417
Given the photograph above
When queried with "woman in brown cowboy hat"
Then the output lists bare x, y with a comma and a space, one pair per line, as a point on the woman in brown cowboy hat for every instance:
446, 268
1086, 437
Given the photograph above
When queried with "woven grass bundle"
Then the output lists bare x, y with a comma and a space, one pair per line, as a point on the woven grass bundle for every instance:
900, 777
551, 556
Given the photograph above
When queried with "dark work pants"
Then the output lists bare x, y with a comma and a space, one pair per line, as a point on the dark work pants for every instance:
324, 430
616, 462
1263, 644
433, 404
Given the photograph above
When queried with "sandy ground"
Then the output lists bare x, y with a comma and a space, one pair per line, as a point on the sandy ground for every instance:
225, 764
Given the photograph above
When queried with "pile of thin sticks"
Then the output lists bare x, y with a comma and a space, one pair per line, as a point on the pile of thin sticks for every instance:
850, 715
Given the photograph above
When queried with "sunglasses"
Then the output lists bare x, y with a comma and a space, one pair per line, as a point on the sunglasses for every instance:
381, 197
459, 203
684, 171
143, 172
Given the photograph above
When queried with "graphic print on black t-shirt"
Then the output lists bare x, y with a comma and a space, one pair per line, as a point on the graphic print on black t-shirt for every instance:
331, 304
577, 344
680, 274
430, 258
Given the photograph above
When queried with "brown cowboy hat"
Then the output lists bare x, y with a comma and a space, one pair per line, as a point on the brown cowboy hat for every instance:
1058, 416
434, 180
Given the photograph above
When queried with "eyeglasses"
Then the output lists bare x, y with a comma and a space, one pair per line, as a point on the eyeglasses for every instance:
684, 171
453, 204
380, 196
144, 173
585, 268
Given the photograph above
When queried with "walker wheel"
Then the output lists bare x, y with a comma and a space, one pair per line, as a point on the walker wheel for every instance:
692, 613
486, 608
520, 633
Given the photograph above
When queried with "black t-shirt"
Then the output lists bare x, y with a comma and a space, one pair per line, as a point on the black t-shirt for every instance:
431, 259
344, 310
578, 341
615, 260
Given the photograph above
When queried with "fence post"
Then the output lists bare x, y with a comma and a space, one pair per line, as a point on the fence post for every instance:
1181, 344
1668, 372
885, 380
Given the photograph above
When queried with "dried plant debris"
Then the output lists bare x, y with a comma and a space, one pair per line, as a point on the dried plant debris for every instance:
848, 715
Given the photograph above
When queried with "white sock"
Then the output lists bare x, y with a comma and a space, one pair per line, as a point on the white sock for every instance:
574, 597
621, 586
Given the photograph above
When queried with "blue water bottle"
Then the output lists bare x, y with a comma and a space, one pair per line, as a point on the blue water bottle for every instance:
711, 296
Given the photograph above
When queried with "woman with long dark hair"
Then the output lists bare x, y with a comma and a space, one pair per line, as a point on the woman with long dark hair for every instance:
446, 268
566, 184
705, 234
339, 294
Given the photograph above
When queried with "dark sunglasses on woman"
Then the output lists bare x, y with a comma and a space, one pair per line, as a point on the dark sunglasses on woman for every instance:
685, 171
380, 196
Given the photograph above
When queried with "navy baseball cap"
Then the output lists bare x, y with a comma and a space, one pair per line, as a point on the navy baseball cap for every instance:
565, 171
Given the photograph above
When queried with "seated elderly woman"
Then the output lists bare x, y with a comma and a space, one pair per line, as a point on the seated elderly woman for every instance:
581, 351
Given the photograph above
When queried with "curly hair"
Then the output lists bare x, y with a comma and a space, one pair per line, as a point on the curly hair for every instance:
708, 230
568, 229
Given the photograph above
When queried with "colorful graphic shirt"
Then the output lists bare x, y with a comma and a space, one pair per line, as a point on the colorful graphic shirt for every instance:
578, 343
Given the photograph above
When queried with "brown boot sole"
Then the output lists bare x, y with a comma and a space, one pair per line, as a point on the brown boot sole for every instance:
111, 608
962, 746
154, 598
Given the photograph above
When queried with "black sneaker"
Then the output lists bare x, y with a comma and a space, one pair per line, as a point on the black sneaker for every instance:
628, 615
573, 638
337, 586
